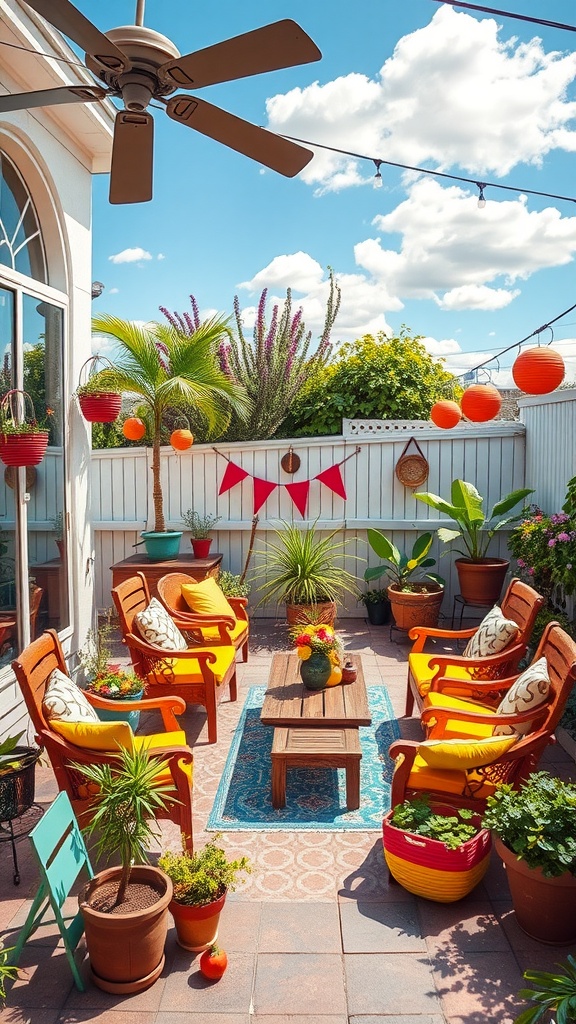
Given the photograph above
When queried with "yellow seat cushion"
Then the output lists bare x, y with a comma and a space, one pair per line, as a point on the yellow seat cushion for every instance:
422, 673
164, 739
211, 634
457, 783
462, 730
206, 598
185, 670
95, 735
464, 754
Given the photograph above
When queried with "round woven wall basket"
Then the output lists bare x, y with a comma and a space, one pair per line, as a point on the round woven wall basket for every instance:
412, 469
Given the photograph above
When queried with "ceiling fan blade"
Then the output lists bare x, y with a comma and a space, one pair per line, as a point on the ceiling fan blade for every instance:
280, 45
50, 97
67, 19
256, 143
132, 155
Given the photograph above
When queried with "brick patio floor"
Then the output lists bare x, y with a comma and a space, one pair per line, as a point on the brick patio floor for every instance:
317, 935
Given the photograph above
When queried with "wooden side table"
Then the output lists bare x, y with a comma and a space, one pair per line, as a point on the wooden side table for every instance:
197, 568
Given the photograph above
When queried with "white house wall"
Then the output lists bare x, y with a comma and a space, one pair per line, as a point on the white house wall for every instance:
550, 422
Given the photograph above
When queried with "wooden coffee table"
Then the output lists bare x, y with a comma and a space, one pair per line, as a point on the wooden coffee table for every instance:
314, 729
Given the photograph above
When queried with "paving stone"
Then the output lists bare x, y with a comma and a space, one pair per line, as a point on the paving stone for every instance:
300, 928
297, 983
469, 927
240, 926
478, 986
370, 927
186, 989
383, 984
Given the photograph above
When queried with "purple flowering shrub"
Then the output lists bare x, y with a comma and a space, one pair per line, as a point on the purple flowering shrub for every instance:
545, 551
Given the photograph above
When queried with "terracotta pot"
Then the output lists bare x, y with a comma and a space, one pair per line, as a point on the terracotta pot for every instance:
324, 611
100, 408
418, 607
545, 908
201, 546
481, 582
127, 950
197, 927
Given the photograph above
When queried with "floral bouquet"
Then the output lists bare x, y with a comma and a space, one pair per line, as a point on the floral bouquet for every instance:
317, 639
116, 685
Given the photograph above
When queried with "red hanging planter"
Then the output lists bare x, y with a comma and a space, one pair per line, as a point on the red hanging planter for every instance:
481, 402
446, 414
103, 407
538, 371
22, 443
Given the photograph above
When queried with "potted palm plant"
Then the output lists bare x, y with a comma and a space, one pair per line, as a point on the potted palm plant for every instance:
163, 369
201, 881
535, 837
305, 571
480, 576
415, 601
125, 909
200, 527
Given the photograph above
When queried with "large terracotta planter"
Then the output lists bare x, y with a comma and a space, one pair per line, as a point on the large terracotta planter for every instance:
427, 868
197, 927
417, 607
301, 614
127, 949
545, 908
481, 582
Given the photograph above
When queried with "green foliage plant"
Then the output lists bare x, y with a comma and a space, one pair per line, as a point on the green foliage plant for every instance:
198, 525
58, 525
95, 385
164, 368
374, 377
116, 685
8, 972
400, 567
204, 876
9, 761
129, 795
536, 822
374, 596
303, 568
419, 818
476, 528
232, 585
552, 992
97, 650
545, 551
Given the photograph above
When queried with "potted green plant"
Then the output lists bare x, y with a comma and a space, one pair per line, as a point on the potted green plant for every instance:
305, 571
200, 527
164, 368
435, 851
115, 684
553, 992
23, 440
201, 882
8, 971
377, 606
535, 837
125, 909
415, 601
98, 402
233, 584
480, 576
58, 530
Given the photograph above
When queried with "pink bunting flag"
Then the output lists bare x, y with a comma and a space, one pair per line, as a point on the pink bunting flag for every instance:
262, 488
332, 477
299, 494
232, 475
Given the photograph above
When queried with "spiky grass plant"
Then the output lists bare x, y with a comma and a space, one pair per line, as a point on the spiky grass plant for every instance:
303, 568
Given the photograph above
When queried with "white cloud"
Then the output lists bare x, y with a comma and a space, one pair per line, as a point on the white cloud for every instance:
113, 291
135, 255
453, 93
160, 256
477, 296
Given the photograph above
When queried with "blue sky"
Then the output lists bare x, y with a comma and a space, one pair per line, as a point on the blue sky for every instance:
489, 98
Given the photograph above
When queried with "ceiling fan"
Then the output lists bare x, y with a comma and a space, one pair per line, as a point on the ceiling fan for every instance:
139, 65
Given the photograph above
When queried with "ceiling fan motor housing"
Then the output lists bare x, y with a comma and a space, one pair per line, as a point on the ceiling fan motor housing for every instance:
147, 51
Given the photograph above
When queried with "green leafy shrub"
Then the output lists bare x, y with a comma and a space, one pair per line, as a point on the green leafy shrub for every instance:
233, 585
202, 877
418, 817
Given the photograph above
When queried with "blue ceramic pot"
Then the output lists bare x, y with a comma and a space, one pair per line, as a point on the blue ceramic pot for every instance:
315, 671
162, 546
132, 717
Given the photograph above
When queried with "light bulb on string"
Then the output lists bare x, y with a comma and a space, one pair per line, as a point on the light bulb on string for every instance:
481, 200
377, 183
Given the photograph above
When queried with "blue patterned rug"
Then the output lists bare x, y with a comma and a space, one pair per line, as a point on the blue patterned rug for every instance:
315, 797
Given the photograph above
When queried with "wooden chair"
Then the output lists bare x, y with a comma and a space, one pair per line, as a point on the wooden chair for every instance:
199, 674
33, 668
207, 629
520, 603
456, 718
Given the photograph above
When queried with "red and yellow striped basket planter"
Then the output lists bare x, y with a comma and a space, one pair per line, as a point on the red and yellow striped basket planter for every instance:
427, 868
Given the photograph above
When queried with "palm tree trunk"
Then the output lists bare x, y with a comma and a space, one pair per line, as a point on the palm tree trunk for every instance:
159, 524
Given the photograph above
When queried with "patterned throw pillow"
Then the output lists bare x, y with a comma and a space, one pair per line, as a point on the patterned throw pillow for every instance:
529, 691
493, 634
65, 701
158, 627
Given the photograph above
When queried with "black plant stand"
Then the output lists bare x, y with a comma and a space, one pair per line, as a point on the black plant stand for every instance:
17, 801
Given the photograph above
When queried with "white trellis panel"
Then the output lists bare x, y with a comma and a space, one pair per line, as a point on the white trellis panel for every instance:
550, 422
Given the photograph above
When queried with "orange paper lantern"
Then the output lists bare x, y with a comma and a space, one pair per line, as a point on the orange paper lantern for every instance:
134, 428
181, 439
481, 402
446, 414
537, 371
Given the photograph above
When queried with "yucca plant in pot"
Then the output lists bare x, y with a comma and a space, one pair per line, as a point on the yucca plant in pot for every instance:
305, 571
125, 908
415, 596
480, 576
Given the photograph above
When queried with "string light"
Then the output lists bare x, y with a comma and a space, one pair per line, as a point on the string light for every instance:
377, 183
481, 200
508, 14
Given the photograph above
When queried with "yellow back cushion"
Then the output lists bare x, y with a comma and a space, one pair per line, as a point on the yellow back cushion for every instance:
206, 598
95, 736
464, 754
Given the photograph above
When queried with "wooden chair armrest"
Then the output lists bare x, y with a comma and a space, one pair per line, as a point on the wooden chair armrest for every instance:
188, 619
403, 753
445, 661
420, 634
446, 684
435, 720
206, 657
239, 604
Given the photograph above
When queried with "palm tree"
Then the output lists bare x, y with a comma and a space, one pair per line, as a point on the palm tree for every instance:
166, 369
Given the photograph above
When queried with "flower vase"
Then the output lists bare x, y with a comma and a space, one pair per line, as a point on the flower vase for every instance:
316, 671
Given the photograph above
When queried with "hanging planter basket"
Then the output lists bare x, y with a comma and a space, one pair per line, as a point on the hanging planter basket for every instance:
97, 406
21, 442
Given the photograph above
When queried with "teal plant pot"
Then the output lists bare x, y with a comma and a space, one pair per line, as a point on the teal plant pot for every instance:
162, 546
315, 671
132, 717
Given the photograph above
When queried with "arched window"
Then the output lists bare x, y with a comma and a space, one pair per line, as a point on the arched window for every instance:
21, 246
